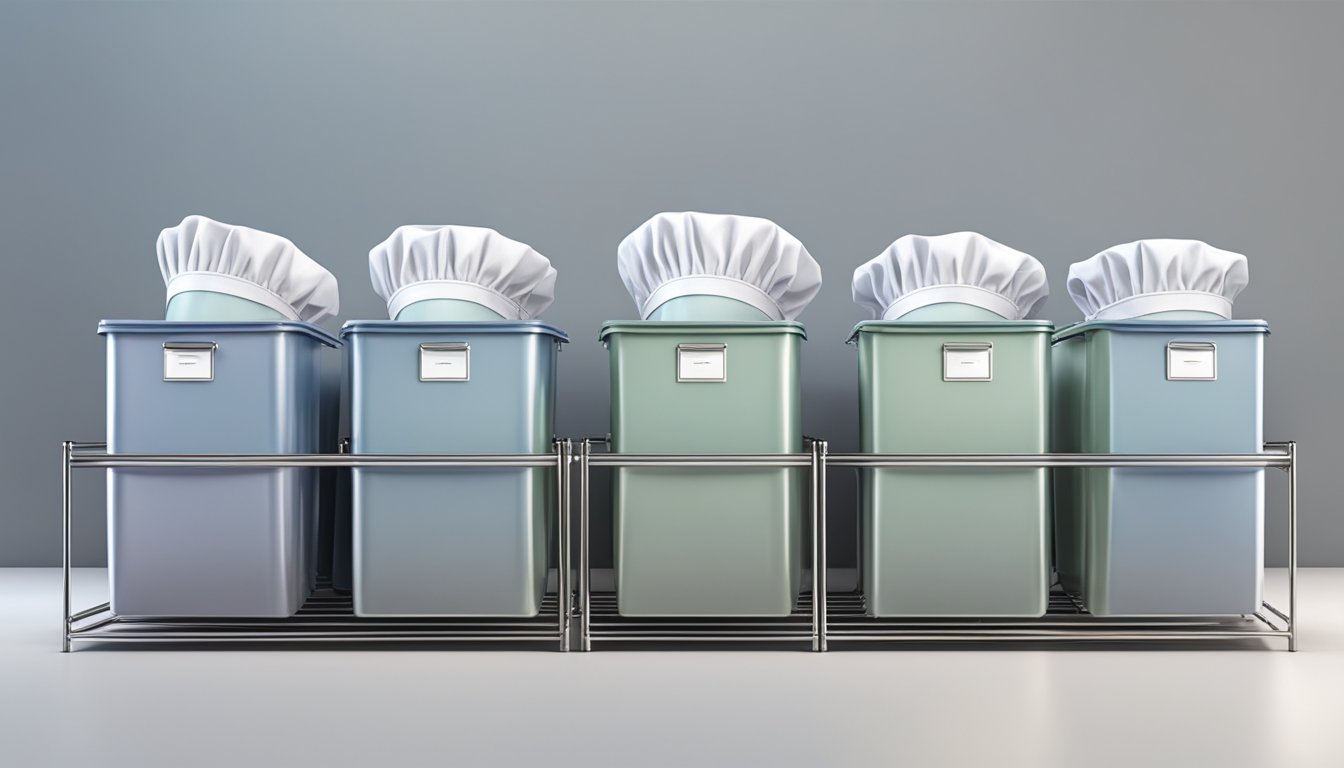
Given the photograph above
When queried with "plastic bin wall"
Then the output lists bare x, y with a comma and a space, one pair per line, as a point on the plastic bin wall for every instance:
213, 542
706, 542
452, 541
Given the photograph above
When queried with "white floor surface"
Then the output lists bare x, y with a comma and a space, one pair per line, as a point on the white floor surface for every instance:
1173, 705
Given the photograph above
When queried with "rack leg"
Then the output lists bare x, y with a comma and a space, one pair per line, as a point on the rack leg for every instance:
820, 563
66, 448
585, 580
860, 479
562, 593
814, 514
1292, 546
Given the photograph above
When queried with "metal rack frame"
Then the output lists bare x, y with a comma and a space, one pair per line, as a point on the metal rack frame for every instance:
820, 617
599, 619
1066, 618
325, 618
841, 617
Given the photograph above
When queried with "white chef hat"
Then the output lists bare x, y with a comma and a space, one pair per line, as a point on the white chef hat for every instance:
202, 254
1148, 276
741, 257
417, 263
962, 267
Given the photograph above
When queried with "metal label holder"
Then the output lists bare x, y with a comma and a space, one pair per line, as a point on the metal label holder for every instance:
189, 360
445, 361
1192, 361
702, 363
968, 361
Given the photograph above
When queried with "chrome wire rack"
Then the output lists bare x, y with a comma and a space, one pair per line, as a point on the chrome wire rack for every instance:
819, 618
326, 617
1066, 619
823, 617
600, 620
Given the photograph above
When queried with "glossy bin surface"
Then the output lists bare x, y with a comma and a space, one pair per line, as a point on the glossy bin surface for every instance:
1160, 541
954, 542
452, 541
706, 541
213, 542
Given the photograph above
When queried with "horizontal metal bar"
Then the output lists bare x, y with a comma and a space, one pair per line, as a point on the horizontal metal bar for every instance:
1041, 460
105, 636
1060, 636
95, 610
338, 621
1268, 623
148, 460
698, 638
92, 625
1074, 623
863, 460
598, 620
700, 460
1282, 616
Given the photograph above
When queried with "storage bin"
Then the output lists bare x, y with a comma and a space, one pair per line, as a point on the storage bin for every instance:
952, 364
452, 541
955, 541
706, 541
212, 542
1136, 542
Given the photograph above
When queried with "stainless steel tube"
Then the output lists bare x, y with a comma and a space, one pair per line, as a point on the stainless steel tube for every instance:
66, 449
585, 565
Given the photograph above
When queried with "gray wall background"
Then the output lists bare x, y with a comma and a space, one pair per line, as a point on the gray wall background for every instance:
1058, 128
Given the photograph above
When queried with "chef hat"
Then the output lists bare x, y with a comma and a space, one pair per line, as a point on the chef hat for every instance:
962, 267
202, 254
741, 257
417, 263
1148, 276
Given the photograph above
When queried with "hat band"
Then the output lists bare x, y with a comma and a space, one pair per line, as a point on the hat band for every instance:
711, 285
454, 289
1165, 301
218, 282
959, 294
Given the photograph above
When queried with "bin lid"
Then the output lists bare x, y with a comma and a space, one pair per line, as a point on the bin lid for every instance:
971, 326
177, 326
680, 328
1162, 326
354, 327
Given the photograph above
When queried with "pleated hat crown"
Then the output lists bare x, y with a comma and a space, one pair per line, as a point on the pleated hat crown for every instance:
961, 267
1147, 276
202, 254
417, 263
749, 259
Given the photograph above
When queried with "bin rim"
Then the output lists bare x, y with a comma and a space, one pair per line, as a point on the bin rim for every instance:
1161, 326
420, 328
955, 326
177, 326
683, 327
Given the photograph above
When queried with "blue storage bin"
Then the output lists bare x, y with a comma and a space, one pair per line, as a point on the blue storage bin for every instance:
451, 541
213, 542
1135, 542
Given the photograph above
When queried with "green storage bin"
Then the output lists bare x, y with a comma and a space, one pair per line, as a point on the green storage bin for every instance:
706, 541
955, 542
